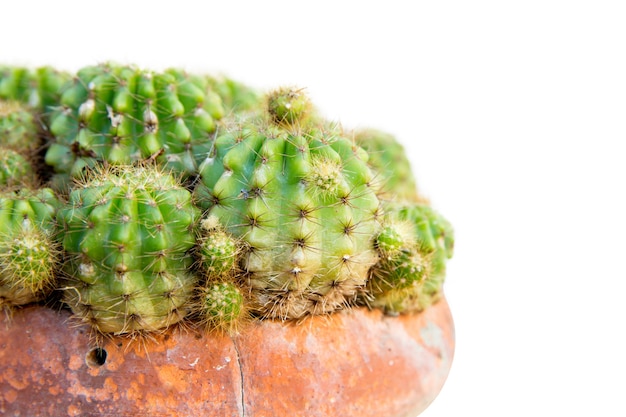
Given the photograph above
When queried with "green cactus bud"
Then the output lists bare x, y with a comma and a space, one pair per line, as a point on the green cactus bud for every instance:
217, 250
127, 232
411, 277
391, 240
121, 114
27, 259
28, 251
388, 160
18, 128
222, 307
299, 199
288, 105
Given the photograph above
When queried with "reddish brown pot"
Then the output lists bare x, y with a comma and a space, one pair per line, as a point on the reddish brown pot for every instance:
359, 363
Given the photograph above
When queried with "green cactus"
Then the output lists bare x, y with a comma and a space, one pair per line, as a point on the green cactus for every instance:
121, 114
38, 88
388, 160
29, 256
289, 106
222, 307
217, 251
15, 169
414, 246
127, 232
298, 198
18, 128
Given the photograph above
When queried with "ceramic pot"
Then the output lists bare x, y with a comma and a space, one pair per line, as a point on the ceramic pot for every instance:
356, 363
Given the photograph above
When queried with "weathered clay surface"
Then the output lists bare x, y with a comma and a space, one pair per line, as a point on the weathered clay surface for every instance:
359, 363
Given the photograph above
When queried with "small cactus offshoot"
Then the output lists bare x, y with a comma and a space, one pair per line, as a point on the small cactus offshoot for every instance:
414, 247
288, 106
217, 250
29, 255
222, 306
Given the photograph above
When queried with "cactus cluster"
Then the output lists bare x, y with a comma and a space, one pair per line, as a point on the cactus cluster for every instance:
147, 199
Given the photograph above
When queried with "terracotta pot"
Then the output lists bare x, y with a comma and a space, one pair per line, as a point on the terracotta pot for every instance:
358, 363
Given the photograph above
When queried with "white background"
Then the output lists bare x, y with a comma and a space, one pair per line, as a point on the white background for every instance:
514, 115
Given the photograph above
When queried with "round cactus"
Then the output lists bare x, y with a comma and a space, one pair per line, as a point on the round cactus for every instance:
127, 232
14, 168
222, 307
388, 160
38, 88
18, 128
298, 198
414, 247
121, 114
288, 106
217, 250
28, 253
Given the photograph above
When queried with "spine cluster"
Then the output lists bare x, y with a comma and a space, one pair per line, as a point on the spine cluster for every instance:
143, 199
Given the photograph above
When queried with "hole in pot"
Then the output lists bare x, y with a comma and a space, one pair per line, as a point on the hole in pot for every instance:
96, 357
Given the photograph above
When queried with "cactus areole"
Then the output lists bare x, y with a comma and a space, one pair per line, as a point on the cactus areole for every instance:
181, 244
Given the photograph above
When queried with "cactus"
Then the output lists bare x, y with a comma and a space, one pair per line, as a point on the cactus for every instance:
127, 232
289, 106
298, 198
217, 251
38, 88
14, 168
28, 251
18, 128
121, 114
388, 160
414, 246
222, 307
